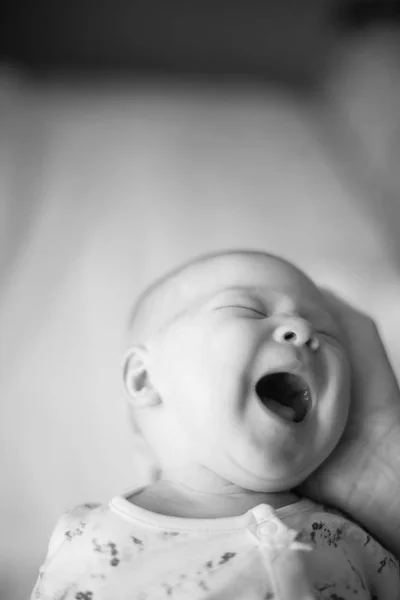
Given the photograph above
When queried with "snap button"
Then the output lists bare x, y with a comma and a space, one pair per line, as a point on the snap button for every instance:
267, 528
262, 512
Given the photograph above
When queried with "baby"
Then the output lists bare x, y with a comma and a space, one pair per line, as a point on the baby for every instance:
238, 380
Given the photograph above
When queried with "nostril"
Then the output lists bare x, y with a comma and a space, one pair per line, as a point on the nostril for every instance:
290, 336
313, 343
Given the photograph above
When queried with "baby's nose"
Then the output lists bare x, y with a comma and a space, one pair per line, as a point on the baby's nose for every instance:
296, 331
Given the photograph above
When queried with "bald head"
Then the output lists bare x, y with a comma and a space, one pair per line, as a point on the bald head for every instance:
170, 296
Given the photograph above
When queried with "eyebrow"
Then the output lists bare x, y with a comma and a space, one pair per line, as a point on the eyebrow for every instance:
237, 288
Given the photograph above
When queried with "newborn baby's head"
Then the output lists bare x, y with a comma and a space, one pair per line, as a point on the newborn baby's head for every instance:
236, 364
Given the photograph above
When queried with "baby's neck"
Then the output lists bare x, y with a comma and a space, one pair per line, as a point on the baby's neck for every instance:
202, 494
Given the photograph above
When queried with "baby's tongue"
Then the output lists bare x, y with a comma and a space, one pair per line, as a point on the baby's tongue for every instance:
287, 412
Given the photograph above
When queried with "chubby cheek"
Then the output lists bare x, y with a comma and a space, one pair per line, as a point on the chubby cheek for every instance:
334, 409
225, 368
236, 339
202, 374
180, 371
343, 386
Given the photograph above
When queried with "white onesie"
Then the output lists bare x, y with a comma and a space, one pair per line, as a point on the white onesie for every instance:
302, 551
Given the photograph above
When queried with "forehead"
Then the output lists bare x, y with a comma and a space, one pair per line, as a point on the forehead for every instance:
246, 273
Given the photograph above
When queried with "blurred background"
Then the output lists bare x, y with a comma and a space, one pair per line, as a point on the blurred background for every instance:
136, 135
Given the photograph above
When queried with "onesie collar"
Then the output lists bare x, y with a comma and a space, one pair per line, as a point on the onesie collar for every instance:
121, 506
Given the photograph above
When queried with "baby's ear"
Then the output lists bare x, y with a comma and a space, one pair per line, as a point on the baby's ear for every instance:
136, 378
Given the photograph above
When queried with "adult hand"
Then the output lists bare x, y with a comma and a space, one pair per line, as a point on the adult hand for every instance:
362, 475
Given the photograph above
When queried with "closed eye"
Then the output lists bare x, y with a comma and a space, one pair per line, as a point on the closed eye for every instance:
254, 310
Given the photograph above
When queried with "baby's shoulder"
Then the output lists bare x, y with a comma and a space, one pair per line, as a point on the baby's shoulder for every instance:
344, 547
82, 511
329, 527
332, 533
87, 543
73, 522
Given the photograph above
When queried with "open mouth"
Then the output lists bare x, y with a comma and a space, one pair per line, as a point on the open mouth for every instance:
286, 394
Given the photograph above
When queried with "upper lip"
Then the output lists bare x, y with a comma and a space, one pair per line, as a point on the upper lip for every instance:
294, 368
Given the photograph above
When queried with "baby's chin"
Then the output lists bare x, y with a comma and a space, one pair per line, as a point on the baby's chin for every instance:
269, 484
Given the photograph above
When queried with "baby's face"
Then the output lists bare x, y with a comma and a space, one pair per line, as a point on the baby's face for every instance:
253, 373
